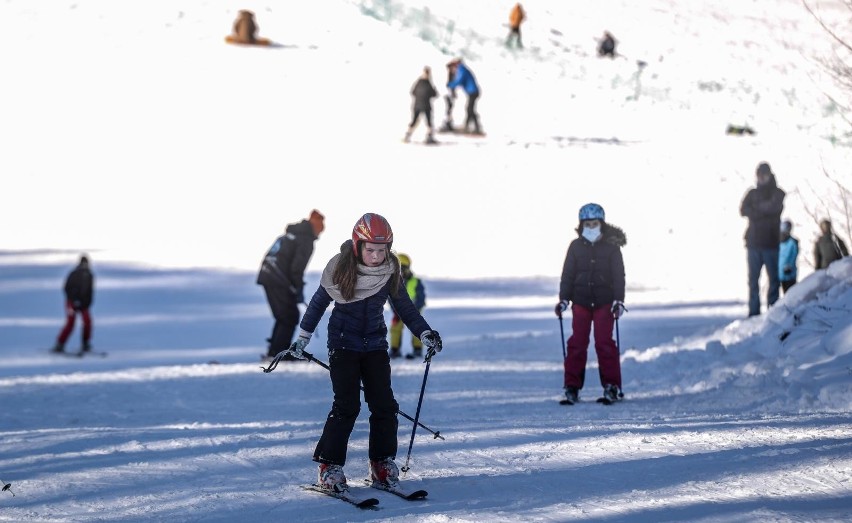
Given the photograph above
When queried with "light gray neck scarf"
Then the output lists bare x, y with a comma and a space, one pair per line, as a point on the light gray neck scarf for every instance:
370, 280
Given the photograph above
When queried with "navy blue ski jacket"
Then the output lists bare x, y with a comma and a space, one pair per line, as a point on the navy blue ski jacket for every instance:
360, 325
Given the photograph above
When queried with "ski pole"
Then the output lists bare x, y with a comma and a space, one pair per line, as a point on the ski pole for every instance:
428, 360
310, 357
562, 332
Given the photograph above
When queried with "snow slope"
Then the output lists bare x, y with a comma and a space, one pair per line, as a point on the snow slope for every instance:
723, 420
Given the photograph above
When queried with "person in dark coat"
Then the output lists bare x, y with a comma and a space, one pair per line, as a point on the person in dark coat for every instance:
79, 294
829, 247
763, 206
593, 283
281, 274
422, 91
359, 280
788, 254
606, 46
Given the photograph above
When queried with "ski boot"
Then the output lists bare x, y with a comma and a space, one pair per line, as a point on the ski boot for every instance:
611, 394
331, 477
430, 140
87, 347
59, 348
395, 353
407, 137
572, 395
384, 471
415, 354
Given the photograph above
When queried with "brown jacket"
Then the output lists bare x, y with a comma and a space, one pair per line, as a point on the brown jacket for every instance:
245, 29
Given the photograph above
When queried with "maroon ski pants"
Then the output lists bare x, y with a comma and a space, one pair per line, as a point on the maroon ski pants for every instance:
70, 319
609, 364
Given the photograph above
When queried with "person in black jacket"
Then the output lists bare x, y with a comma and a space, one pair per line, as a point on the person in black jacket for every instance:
359, 280
79, 293
423, 91
828, 247
593, 282
763, 206
281, 274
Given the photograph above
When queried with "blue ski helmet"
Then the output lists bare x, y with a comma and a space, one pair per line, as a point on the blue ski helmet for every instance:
592, 211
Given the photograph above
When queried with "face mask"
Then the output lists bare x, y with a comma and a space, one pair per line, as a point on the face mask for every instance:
592, 234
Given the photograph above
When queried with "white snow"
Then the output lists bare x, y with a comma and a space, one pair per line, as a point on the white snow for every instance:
131, 131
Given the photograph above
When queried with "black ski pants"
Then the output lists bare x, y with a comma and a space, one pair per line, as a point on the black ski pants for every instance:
471, 116
285, 310
349, 369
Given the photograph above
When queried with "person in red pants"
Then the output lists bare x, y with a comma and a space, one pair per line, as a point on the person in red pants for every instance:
593, 282
79, 291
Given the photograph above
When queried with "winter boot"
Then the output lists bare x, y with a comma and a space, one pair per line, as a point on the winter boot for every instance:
384, 471
58, 348
572, 395
416, 353
611, 394
395, 352
331, 477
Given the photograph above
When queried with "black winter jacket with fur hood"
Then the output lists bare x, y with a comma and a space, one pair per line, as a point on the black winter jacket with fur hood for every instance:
593, 273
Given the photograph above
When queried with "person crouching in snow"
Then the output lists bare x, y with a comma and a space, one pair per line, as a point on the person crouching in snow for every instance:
359, 280
593, 281
245, 28
422, 91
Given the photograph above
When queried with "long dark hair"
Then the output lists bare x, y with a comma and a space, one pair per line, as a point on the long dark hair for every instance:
346, 272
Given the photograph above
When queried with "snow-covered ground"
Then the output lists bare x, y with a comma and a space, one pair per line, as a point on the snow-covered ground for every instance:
134, 133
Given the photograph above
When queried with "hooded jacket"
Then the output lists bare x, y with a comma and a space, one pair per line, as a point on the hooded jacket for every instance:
593, 273
285, 262
763, 206
79, 287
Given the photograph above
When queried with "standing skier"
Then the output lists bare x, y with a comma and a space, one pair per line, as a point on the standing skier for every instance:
359, 281
79, 293
763, 206
516, 17
593, 281
422, 91
281, 274
417, 293
463, 77
606, 46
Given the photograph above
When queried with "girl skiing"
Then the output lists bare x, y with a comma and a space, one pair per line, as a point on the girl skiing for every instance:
360, 279
593, 281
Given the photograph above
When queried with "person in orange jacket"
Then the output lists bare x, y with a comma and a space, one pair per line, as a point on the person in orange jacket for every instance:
516, 17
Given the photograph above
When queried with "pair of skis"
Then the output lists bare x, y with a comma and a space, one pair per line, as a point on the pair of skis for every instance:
362, 500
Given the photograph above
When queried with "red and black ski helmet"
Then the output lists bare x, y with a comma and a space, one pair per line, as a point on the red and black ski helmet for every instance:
371, 228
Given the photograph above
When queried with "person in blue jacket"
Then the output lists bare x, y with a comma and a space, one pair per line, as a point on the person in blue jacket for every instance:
788, 252
359, 280
463, 77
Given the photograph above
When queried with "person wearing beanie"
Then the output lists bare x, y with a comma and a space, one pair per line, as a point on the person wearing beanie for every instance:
763, 206
281, 275
79, 293
788, 253
593, 284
